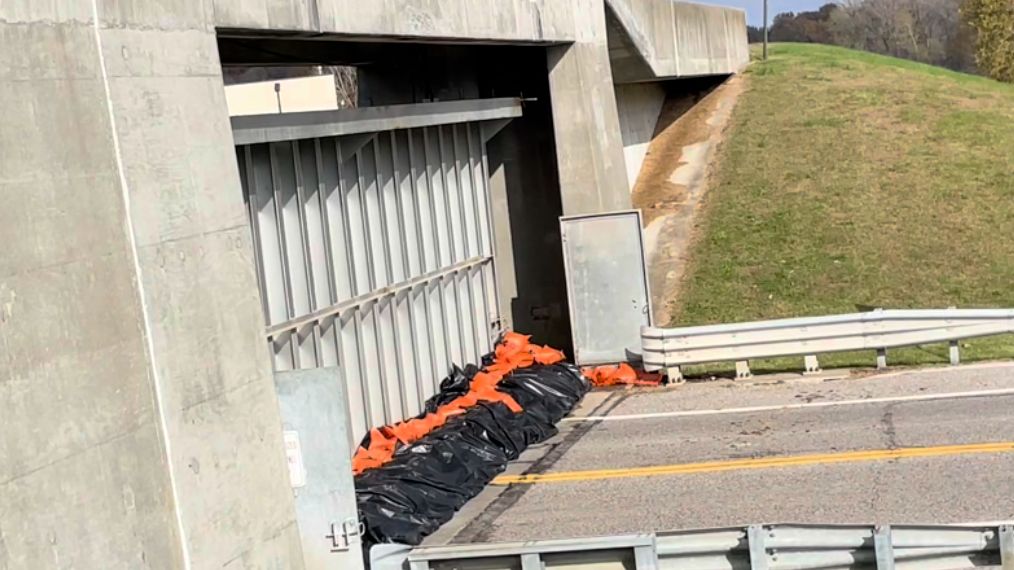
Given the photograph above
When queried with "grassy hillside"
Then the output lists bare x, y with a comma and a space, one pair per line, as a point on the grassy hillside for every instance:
851, 179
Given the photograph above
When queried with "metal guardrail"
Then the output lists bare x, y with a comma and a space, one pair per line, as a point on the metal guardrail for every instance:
759, 547
670, 349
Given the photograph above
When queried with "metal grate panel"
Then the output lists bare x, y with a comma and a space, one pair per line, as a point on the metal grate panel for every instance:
374, 253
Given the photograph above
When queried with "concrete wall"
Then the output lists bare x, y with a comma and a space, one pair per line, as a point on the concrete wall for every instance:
639, 105
141, 428
678, 39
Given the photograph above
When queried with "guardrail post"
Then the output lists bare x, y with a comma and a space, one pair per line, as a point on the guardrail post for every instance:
955, 353
883, 547
743, 370
881, 358
645, 558
531, 562
675, 375
1007, 547
755, 538
811, 364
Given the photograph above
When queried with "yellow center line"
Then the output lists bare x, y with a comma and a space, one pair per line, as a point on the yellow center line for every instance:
760, 463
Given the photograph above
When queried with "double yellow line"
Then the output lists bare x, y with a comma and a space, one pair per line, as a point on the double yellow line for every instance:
760, 463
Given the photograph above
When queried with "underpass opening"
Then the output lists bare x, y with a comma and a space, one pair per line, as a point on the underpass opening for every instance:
398, 247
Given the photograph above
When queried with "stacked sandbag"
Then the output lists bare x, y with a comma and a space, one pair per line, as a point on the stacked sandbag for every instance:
407, 489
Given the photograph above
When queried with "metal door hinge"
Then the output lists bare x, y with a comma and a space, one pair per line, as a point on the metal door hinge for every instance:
343, 535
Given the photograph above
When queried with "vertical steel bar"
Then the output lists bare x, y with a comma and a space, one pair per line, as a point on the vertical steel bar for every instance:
433, 198
400, 207
453, 246
423, 265
428, 316
484, 323
350, 250
385, 241
345, 366
364, 378
385, 233
325, 222
279, 227
476, 351
436, 238
406, 265
483, 224
255, 230
416, 198
276, 193
304, 234
452, 240
385, 397
484, 163
368, 235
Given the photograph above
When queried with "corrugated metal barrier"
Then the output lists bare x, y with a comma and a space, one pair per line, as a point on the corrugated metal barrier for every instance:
374, 249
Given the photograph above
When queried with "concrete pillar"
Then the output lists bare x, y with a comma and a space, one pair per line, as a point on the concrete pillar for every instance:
588, 144
141, 425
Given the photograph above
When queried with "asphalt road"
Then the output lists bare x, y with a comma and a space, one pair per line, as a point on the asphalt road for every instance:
900, 448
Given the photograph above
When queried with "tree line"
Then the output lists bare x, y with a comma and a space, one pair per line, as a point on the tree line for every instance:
966, 35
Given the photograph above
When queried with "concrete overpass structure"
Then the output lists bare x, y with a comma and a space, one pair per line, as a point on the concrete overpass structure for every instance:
141, 422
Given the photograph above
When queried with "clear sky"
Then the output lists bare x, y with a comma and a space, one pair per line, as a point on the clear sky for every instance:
755, 8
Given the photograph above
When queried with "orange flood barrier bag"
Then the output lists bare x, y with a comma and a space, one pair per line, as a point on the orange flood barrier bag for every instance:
514, 351
620, 375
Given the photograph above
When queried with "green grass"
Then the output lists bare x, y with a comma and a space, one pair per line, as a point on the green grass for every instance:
850, 179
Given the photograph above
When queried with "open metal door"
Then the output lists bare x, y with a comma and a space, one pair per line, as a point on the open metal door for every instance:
315, 422
607, 285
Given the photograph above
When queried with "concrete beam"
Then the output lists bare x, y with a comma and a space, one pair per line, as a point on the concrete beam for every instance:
668, 39
288, 126
491, 20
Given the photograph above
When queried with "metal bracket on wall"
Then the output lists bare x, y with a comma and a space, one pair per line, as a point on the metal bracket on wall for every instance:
343, 535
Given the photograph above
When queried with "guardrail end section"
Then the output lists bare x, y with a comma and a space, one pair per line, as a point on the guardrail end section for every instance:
1007, 546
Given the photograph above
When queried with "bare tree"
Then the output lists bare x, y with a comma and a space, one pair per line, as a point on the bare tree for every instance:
346, 85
